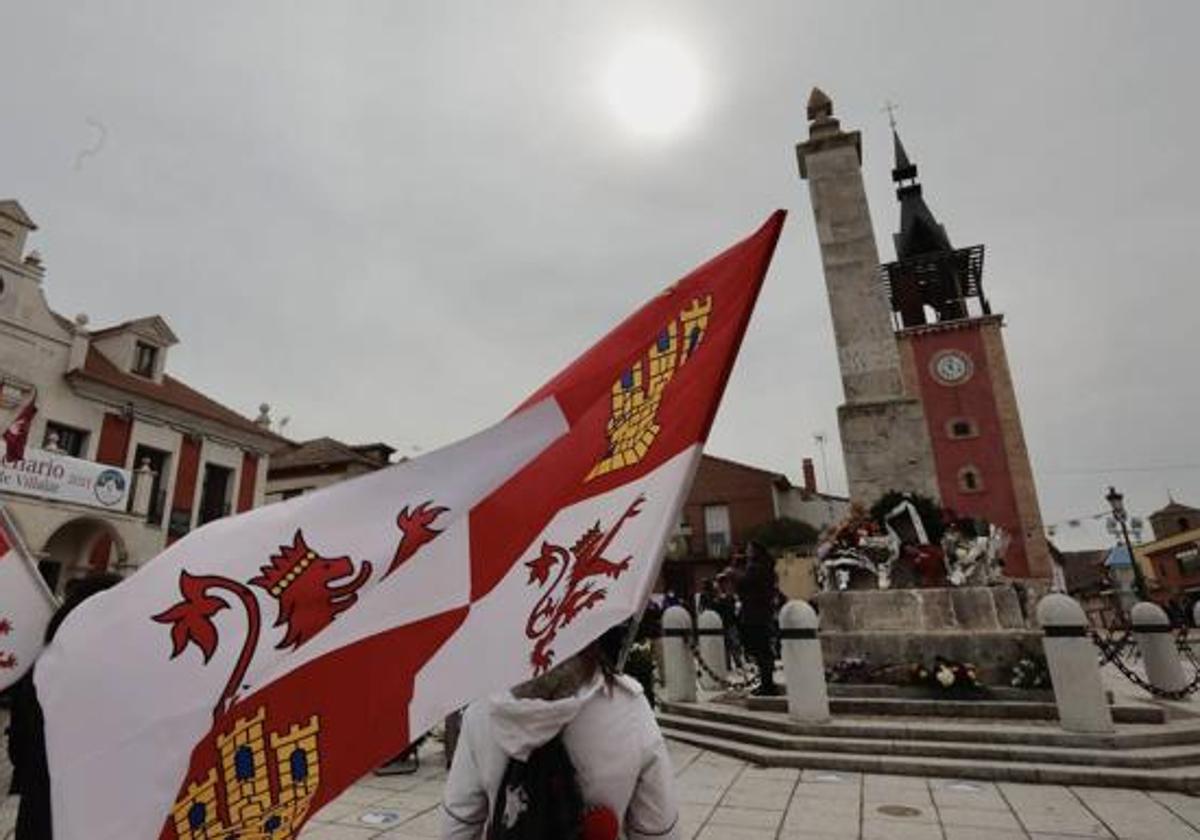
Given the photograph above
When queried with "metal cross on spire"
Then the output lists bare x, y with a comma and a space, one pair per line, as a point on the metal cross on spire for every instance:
890, 108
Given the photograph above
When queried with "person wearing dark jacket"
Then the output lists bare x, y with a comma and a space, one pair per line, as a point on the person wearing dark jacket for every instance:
26, 728
757, 590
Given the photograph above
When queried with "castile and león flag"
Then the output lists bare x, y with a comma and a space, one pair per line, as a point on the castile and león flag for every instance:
25, 605
256, 668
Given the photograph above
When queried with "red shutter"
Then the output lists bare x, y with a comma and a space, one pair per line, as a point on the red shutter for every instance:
185, 489
113, 447
246, 486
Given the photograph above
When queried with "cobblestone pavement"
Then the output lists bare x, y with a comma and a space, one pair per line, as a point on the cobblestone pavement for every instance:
725, 799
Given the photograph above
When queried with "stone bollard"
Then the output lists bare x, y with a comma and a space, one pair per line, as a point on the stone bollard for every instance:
1152, 632
711, 635
1074, 671
679, 672
803, 665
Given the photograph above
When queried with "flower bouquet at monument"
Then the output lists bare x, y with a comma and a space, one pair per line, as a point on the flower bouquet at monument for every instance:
947, 677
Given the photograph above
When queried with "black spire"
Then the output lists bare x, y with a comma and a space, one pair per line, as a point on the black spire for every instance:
920, 233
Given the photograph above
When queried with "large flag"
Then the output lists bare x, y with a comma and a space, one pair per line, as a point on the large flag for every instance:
258, 667
25, 605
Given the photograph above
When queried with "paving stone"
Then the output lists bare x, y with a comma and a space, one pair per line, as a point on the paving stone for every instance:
727, 832
1181, 804
979, 818
875, 829
746, 818
966, 832
333, 831
1133, 814
825, 824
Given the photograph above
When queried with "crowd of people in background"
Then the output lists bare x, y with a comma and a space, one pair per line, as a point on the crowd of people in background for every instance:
746, 595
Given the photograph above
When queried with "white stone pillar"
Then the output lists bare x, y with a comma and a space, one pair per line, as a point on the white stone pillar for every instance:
1152, 632
803, 665
679, 672
1074, 669
711, 634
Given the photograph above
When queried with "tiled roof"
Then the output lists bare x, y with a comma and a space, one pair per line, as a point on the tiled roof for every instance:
170, 391
1174, 509
321, 452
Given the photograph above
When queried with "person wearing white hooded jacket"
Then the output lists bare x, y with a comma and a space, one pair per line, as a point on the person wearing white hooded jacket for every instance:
608, 730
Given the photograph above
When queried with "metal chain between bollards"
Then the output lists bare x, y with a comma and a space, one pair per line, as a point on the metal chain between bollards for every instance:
1114, 652
728, 685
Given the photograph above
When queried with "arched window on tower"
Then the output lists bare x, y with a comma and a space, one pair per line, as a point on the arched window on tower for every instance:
960, 428
970, 480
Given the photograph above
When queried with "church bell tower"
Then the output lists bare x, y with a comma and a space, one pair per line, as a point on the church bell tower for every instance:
953, 359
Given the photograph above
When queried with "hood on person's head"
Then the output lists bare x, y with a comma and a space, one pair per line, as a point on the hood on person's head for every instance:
537, 710
78, 591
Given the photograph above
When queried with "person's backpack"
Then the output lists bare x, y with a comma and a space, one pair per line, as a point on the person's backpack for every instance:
538, 798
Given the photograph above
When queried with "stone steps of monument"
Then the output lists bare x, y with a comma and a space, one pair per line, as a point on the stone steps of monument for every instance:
1182, 780
990, 709
922, 693
1158, 757
971, 731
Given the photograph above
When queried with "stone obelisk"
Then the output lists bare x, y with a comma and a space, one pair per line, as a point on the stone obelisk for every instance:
885, 440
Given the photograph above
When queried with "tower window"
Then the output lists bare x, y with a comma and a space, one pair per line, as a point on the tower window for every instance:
145, 357
969, 480
961, 428
243, 763
298, 762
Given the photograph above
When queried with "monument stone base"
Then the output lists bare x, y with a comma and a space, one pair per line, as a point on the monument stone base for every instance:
989, 626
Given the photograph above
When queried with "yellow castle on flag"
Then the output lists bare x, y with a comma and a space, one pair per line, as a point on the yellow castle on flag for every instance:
245, 780
637, 394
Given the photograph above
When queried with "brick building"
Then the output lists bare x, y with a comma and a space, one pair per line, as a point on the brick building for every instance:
728, 500
1173, 558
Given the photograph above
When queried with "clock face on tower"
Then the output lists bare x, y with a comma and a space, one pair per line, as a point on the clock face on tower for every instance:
951, 367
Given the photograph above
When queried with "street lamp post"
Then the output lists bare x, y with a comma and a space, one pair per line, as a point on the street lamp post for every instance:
1117, 502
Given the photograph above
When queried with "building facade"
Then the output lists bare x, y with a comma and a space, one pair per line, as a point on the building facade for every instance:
122, 458
931, 406
728, 501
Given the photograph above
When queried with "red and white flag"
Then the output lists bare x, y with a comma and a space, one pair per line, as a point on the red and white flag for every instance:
258, 667
17, 433
25, 606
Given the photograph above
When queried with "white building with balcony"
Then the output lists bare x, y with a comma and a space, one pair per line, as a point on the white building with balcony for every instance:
123, 458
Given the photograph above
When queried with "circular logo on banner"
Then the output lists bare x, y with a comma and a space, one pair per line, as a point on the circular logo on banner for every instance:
951, 367
110, 487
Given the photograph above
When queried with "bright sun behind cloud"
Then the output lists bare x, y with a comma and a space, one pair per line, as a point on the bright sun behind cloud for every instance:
653, 85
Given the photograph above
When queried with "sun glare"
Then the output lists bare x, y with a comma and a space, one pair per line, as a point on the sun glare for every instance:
653, 85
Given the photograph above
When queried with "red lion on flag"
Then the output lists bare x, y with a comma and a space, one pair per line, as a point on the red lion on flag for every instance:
310, 589
585, 562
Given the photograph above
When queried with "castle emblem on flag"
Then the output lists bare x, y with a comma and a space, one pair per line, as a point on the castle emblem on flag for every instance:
637, 394
246, 754
574, 588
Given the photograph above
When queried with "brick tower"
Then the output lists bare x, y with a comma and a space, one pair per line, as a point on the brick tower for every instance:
952, 358
884, 435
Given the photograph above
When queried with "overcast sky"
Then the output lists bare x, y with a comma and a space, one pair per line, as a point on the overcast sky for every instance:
394, 220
